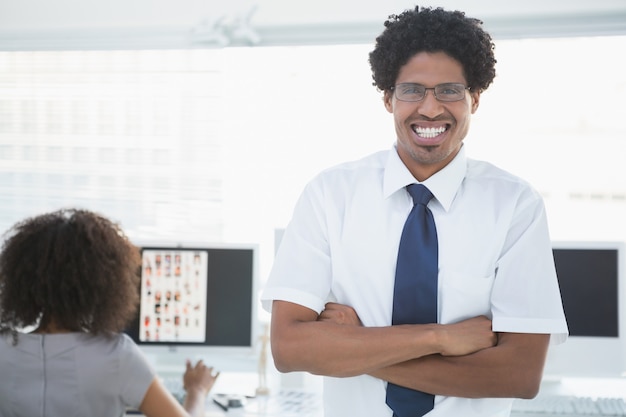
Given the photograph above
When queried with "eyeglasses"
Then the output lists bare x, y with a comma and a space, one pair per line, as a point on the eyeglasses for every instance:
417, 92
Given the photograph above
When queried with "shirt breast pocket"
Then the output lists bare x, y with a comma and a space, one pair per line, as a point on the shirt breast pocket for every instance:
463, 295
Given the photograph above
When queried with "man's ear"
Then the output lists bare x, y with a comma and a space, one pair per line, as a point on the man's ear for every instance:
388, 100
475, 100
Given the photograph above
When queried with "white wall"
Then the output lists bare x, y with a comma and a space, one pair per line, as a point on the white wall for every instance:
47, 24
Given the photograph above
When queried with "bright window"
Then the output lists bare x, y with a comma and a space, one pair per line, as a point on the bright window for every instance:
216, 144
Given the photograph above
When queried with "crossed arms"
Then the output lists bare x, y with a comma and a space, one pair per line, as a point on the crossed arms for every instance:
464, 359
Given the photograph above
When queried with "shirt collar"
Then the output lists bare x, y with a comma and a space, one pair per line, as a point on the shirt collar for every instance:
443, 184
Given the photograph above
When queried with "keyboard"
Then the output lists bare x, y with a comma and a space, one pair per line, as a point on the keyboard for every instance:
287, 403
569, 406
175, 386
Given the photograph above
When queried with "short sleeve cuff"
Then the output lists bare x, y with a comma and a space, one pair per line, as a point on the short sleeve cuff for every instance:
291, 295
556, 328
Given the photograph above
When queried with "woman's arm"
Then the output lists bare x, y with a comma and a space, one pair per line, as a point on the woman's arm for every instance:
159, 402
198, 381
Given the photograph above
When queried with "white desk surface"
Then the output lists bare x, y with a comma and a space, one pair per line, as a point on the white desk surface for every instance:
585, 387
256, 407
245, 384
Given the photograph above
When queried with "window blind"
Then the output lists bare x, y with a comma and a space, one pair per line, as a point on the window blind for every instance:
135, 135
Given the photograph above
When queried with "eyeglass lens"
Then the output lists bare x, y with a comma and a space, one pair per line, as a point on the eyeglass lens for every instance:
417, 92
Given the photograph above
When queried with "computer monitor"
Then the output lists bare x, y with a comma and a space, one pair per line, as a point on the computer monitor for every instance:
593, 290
197, 302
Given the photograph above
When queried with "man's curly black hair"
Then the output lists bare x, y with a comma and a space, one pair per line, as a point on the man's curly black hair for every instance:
433, 30
71, 268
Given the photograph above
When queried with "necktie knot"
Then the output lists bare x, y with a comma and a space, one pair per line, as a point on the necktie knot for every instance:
419, 193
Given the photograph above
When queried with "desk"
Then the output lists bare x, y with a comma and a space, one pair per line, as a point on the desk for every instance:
243, 384
262, 406
584, 387
572, 397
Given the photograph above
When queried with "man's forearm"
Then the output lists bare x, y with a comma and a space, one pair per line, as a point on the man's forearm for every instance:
342, 351
326, 345
512, 369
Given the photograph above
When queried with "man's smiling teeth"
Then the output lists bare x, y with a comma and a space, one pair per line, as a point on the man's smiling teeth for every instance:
429, 132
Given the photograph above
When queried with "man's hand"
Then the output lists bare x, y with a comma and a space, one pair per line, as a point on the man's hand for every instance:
467, 336
339, 314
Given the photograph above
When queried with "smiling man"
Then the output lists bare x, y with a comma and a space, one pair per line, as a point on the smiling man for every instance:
483, 300
430, 128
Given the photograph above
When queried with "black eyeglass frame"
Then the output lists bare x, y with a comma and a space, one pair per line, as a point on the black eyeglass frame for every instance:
438, 86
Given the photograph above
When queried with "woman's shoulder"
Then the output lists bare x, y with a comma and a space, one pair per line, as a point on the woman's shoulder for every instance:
107, 342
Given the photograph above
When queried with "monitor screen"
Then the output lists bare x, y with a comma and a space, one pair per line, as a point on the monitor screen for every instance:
591, 280
196, 301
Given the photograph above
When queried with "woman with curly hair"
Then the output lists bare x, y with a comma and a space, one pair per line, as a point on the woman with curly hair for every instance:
72, 276
452, 322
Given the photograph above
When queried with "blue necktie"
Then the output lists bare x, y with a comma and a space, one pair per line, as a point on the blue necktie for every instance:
415, 291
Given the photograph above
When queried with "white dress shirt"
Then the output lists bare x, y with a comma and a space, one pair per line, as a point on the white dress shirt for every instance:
495, 259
